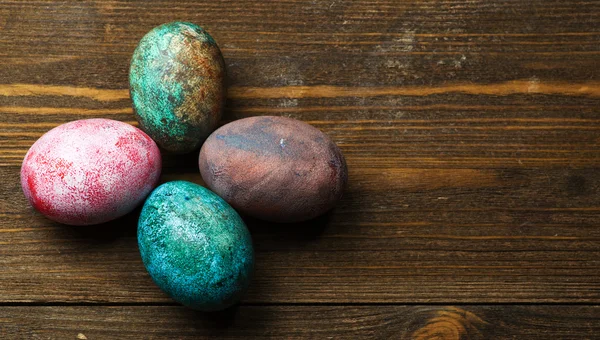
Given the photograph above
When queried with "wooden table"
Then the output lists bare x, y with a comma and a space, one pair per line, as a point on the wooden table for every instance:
472, 134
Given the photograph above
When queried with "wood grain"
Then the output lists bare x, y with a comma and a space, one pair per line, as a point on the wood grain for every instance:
472, 134
302, 322
469, 229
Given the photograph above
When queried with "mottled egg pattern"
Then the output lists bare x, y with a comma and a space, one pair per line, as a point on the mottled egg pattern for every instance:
90, 171
274, 168
195, 246
177, 85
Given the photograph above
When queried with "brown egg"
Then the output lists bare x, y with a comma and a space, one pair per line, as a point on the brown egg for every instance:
274, 168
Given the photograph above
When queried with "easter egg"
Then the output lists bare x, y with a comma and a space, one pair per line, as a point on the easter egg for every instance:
177, 85
274, 168
90, 171
195, 246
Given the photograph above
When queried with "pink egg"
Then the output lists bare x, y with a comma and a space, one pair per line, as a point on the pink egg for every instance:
90, 171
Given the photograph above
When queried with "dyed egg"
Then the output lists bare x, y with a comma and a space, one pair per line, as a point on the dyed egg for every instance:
90, 171
195, 246
177, 85
274, 168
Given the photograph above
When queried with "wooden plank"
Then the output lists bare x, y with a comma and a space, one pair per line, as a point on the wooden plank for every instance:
89, 43
302, 322
544, 140
489, 236
548, 47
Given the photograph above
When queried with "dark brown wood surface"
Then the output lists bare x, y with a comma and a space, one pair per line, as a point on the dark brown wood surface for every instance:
472, 134
301, 322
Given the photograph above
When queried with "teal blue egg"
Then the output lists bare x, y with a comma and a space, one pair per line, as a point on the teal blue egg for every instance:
195, 246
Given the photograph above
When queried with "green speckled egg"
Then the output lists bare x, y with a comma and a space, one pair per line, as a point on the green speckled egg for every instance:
195, 246
177, 85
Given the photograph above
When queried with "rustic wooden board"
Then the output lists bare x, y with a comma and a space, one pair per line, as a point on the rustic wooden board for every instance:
480, 249
302, 322
471, 130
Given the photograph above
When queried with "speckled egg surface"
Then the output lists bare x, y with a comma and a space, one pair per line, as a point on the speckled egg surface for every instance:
274, 168
195, 246
177, 85
90, 171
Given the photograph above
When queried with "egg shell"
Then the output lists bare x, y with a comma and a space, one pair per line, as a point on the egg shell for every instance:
90, 171
274, 168
177, 85
195, 246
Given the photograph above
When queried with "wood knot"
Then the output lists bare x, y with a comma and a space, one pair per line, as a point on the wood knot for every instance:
451, 323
